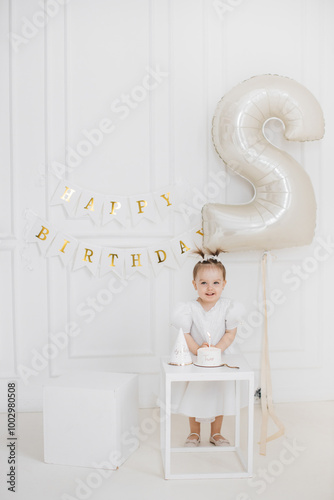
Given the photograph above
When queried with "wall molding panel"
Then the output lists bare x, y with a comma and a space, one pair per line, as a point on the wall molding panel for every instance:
87, 65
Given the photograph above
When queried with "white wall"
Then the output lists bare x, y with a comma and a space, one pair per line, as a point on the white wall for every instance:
58, 81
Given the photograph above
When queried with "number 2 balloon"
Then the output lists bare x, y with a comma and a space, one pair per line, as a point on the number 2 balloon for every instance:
282, 212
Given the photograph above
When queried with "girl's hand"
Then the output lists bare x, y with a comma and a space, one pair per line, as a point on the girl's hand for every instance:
205, 344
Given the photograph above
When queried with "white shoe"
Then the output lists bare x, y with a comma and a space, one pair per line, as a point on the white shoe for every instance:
219, 442
192, 442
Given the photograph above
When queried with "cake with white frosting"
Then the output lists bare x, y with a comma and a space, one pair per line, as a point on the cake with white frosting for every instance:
209, 356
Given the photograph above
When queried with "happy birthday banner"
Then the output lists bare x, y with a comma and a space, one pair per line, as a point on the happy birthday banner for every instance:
103, 209
123, 262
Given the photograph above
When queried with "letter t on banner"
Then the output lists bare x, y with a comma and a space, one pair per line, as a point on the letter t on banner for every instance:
112, 260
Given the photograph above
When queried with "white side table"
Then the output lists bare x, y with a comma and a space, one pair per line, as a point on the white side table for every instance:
194, 373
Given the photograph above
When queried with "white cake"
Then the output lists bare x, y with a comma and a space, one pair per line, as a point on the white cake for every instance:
209, 356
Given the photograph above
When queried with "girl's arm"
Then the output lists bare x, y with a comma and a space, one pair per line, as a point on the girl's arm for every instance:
226, 339
192, 345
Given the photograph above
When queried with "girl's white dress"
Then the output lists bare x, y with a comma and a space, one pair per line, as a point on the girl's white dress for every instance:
206, 400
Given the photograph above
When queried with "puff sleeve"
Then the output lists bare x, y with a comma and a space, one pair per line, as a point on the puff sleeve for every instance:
181, 317
234, 314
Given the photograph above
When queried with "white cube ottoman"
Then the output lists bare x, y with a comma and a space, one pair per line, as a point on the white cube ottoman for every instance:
89, 419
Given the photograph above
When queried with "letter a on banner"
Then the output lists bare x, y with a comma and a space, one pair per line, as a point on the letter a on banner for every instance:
181, 247
90, 204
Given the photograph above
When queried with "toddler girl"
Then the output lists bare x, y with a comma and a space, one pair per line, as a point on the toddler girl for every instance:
207, 401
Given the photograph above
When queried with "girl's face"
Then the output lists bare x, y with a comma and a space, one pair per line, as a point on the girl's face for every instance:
209, 284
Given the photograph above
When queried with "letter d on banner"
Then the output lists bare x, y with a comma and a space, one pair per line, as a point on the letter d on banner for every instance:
162, 256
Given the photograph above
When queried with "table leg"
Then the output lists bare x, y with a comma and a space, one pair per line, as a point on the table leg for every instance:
250, 424
237, 414
167, 428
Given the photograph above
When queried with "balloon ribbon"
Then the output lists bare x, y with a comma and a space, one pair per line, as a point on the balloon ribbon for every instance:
266, 388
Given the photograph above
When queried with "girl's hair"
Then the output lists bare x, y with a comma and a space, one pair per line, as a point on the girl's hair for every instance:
209, 257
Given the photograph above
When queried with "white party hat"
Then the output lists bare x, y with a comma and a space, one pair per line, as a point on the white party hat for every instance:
180, 355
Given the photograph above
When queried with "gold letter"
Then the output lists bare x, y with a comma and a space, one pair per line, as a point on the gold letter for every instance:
63, 247
113, 207
113, 255
90, 204
184, 247
200, 231
134, 259
42, 234
166, 197
68, 193
140, 206
159, 258
88, 255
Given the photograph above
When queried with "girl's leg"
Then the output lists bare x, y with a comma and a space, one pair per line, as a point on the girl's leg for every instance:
216, 427
194, 427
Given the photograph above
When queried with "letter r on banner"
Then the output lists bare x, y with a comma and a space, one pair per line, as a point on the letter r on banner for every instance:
88, 255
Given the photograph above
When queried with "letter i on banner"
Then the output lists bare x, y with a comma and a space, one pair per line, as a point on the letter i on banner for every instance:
136, 260
67, 195
87, 255
41, 233
63, 246
112, 260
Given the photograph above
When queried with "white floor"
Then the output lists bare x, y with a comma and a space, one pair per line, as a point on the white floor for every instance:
299, 465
